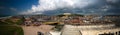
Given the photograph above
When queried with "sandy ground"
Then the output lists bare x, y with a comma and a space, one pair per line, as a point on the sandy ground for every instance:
32, 30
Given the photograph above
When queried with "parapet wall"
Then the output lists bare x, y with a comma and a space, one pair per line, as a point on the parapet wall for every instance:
90, 26
108, 29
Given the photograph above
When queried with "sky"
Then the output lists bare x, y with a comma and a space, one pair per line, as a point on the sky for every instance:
53, 7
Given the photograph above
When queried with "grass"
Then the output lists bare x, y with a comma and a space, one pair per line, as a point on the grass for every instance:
3, 23
18, 22
11, 30
8, 28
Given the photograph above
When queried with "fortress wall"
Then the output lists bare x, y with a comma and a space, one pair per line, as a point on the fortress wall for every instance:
90, 26
89, 29
97, 32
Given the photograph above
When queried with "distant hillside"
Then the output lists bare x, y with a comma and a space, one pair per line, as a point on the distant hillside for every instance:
77, 15
60, 15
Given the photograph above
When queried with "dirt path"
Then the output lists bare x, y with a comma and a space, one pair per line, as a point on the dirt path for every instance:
32, 30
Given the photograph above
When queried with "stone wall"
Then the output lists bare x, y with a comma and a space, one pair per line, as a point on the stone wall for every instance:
90, 30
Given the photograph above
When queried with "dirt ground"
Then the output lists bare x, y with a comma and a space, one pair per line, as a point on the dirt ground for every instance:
32, 30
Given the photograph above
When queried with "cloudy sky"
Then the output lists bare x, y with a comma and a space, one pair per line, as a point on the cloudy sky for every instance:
52, 7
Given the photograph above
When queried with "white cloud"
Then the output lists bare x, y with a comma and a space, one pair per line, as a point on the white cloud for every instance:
55, 4
106, 8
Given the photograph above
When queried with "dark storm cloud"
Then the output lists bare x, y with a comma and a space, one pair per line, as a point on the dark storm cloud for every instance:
101, 7
51, 7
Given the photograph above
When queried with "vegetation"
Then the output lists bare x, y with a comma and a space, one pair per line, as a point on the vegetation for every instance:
11, 30
10, 27
3, 23
60, 15
11, 22
71, 15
